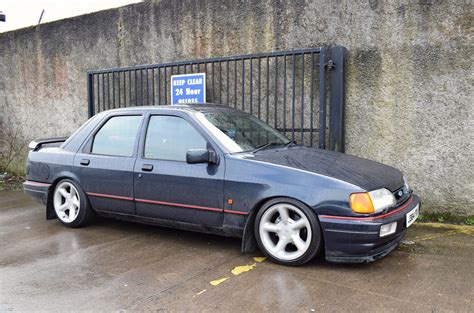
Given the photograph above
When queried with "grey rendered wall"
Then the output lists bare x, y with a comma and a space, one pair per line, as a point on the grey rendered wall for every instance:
409, 78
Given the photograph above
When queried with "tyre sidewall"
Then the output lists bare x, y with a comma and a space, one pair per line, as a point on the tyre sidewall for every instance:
316, 240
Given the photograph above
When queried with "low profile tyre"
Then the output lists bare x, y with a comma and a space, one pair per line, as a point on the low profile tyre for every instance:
71, 204
288, 232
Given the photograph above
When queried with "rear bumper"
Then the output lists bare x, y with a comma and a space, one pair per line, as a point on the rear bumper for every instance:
356, 240
36, 190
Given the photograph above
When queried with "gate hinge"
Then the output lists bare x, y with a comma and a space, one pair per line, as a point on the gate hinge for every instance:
331, 64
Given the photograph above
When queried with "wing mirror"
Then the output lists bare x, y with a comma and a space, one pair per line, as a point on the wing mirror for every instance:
194, 156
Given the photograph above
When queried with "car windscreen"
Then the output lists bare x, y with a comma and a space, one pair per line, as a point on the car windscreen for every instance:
240, 132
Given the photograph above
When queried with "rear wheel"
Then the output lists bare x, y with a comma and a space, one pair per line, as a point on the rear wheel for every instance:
288, 232
71, 204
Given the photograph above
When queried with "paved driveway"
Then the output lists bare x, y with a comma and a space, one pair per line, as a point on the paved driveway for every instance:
113, 266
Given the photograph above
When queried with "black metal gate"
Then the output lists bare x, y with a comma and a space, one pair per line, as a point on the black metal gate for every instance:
287, 89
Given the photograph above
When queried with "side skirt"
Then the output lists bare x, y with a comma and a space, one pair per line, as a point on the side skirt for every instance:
231, 232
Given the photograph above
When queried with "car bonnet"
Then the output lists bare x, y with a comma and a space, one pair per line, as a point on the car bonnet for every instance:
367, 174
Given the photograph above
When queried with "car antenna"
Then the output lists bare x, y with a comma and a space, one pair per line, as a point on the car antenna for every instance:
41, 17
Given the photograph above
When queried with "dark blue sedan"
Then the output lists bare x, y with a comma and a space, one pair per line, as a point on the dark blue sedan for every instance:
214, 169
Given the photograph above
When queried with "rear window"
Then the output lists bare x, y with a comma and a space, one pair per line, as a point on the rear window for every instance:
117, 136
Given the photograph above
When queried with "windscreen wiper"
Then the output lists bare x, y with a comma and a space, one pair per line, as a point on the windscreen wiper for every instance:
264, 146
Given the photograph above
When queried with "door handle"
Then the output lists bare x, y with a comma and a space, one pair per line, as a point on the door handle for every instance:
85, 162
147, 167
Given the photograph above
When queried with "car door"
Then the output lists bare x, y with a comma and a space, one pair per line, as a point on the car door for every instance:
104, 165
166, 187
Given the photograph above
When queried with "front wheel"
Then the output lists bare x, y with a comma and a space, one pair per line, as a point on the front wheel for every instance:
71, 204
287, 232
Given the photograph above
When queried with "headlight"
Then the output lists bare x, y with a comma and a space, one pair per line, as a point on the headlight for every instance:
372, 202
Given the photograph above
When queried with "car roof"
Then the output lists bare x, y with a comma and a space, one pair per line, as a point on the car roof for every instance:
195, 107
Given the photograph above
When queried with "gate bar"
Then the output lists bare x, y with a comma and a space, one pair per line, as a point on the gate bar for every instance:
209, 60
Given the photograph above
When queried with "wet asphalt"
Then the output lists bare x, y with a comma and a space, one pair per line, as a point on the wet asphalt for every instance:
119, 266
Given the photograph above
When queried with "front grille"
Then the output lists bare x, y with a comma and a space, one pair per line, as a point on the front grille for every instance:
401, 195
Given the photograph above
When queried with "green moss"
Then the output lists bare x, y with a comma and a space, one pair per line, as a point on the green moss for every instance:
446, 218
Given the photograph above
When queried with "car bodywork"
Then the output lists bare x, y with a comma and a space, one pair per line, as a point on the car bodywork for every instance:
197, 196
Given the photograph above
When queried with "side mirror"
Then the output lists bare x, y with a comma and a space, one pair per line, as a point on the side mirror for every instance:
194, 156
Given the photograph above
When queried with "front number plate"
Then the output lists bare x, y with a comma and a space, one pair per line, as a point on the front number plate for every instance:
413, 215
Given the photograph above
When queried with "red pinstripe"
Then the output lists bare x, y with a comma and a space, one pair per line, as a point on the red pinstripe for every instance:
235, 212
371, 218
181, 205
35, 183
109, 196
188, 206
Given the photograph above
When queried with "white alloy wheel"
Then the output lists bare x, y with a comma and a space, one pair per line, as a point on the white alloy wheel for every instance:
66, 202
285, 231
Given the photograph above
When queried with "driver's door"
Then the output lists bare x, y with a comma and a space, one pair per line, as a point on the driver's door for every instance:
166, 187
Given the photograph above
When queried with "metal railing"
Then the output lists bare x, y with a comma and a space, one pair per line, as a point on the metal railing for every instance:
287, 89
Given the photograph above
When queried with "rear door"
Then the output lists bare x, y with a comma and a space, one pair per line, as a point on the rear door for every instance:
167, 187
104, 165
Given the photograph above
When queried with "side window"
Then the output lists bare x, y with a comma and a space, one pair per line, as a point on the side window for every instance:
117, 136
170, 137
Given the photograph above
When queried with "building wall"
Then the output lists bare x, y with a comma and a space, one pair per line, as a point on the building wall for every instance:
409, 90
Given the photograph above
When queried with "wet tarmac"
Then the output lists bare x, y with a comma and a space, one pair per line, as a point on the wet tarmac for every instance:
118, 266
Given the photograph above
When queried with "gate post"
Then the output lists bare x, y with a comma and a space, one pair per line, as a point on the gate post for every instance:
90, 94
322, 98
337, 68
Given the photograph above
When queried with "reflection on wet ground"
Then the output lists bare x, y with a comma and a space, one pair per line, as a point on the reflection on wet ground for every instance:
113, 265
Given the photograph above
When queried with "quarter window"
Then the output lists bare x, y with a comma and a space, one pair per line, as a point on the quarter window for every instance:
170, 137
117, 136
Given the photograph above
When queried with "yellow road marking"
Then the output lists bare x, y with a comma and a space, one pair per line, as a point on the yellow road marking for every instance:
450, 230
244, 268
219, 281
200, 293
464, 229
236, 271
429, 237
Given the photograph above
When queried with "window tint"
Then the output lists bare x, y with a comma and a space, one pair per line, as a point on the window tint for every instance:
170, 137
117, 136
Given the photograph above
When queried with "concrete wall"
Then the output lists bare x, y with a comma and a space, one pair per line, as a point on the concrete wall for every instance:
409, 78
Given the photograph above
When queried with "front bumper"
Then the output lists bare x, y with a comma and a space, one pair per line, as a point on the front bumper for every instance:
356, 240
36, 190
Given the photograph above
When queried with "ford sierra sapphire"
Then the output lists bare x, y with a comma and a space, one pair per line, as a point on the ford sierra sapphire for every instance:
214, 169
